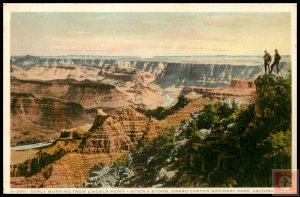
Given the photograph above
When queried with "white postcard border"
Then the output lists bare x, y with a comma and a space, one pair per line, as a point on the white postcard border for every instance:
41, 7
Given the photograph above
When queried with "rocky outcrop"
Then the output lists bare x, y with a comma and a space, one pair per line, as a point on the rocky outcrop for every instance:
154, 67
242, 84
71, 171
115, 133
43, 157
242, 90
105, 136
32, 166
127, 74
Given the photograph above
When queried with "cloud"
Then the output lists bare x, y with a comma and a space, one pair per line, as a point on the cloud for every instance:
55, 38
111, 46
207, 20
156, 22
98, 18
225, 21
194, 36
79, 33
171, 22
69, 37
186, 47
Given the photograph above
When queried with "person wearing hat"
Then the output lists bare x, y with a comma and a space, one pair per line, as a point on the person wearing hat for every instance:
267, 61
277, 58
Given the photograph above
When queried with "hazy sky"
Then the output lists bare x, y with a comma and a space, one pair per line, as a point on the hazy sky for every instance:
149, 34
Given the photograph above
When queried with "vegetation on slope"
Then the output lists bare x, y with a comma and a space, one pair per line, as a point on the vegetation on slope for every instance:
224, 145
246, 143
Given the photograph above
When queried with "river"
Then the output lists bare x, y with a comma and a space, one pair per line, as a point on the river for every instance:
170, 100
42, 144
31, 146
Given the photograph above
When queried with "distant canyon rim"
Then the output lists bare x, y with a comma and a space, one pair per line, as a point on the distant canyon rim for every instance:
89, 107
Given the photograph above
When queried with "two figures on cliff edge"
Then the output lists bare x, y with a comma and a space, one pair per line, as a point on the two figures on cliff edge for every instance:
267, 60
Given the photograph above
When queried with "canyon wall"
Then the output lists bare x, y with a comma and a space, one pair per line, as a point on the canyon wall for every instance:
115, 133
108, 134
87, 93
205, 75
35, 119
163, 72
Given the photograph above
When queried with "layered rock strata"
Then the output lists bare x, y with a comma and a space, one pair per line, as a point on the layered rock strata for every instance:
115, 133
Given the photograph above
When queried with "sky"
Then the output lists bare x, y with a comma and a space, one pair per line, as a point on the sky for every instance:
148, 34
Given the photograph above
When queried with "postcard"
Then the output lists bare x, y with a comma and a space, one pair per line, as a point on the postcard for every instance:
150, 98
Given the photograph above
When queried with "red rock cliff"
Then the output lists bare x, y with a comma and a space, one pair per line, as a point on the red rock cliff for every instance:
115, 133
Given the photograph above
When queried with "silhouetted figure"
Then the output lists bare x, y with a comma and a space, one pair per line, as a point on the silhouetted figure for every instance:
277, 58
267, 61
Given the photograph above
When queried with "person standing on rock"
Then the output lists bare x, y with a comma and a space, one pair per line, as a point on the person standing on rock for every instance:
277, 58
267, 61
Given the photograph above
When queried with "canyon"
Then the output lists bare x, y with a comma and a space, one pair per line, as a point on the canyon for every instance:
37, 119
216, 147
108, 138
95, 110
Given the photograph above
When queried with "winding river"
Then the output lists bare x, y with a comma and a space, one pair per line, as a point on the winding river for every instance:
170, 100
31, 146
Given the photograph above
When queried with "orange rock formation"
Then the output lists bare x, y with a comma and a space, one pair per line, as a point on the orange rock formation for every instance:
115, 133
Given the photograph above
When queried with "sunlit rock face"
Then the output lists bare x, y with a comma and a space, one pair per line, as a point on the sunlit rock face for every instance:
116, 133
